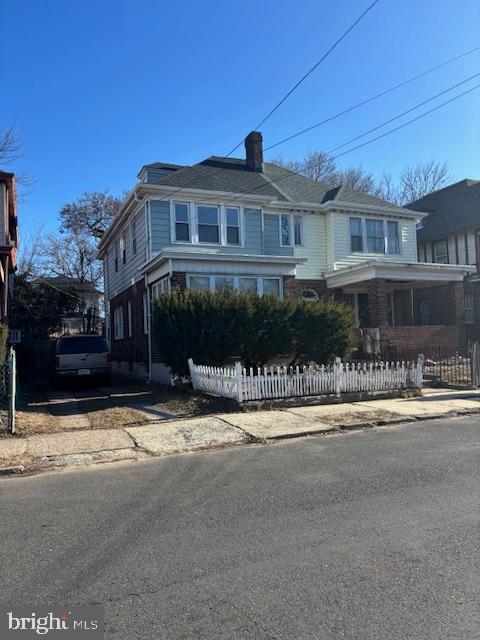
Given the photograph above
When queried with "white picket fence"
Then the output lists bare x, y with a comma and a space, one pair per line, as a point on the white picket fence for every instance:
289, 382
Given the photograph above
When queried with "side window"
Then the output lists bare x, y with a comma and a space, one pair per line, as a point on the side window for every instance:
116, 256
286, 240
356, 237
440, 252
118, 323
233, 225
182, 222
130, 318
133, 236
124, 247
298, 230
393, 239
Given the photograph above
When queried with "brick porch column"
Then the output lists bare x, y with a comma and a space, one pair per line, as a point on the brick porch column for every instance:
178, 280
377, 303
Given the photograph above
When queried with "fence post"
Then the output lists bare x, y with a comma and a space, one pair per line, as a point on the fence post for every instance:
191, 367
337, 372
238, 377
420, 362
12, 389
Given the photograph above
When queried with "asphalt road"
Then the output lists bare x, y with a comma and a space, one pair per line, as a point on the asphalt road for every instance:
360, 536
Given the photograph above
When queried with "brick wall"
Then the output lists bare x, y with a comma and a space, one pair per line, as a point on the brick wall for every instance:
410, 341
134, 349
294, 287
178, 280
377, 302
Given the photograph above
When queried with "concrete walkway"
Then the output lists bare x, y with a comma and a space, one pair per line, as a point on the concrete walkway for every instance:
83, 446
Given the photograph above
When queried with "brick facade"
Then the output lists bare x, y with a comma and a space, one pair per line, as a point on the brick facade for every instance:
377, 302
408, 342
178, 280
295, 287
134, 349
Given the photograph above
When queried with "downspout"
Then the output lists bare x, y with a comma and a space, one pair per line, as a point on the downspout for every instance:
149, 332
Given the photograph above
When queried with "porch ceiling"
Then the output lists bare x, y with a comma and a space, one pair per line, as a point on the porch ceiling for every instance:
406, 275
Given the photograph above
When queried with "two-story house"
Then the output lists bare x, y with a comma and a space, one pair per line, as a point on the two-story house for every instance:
8, 240
450, 234
256, 226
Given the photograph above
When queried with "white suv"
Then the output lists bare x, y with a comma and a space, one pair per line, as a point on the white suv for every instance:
81, 355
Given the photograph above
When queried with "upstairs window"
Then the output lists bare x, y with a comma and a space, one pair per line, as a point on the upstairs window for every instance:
208, 224
116, 256
298, 230
118, 323
285, 235
440, 252
123, 246
182, 223
375, 237
393, 239
133, 236
233, 225
356, 235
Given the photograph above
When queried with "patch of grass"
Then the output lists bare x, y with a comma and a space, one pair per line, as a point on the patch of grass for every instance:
115, 417
33, 416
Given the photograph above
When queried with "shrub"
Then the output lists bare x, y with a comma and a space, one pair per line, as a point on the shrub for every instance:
3, 342
213, 328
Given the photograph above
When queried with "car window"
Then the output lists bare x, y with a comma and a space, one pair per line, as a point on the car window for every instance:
82, 344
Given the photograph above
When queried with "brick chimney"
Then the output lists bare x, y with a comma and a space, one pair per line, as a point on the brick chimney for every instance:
254, 151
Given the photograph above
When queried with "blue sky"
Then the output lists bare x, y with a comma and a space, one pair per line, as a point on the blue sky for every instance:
97, 89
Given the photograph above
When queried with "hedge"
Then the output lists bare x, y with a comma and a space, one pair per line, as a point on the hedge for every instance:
215, 328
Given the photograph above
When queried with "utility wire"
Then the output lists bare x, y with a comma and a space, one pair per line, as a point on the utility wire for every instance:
404, 113
372, 98
310, 71
422, 115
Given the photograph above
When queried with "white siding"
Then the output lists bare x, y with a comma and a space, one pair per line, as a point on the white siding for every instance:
128, 273
315, 249
341, 239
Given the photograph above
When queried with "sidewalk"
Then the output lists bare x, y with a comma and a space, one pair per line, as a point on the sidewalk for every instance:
85, 446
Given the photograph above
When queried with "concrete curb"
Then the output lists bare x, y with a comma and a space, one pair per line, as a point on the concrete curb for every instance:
137, 452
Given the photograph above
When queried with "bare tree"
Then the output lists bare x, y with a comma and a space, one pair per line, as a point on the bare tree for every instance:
91, 214
30, 257
415, 181
10, 152
321, 167
73, 255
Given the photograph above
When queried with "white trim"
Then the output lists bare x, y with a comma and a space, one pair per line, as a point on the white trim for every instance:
403, 271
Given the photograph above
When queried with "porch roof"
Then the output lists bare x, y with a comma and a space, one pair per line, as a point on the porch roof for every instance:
413, 274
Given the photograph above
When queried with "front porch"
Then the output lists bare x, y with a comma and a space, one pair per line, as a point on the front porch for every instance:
382, 295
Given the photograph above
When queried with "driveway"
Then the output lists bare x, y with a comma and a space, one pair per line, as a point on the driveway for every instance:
368, 536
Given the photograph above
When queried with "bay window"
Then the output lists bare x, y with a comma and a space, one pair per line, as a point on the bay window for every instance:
374, 236
244, 284
208, 224
247, 285
182, 222
199, 283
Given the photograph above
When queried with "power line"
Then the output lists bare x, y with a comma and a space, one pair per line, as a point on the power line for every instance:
422, 115
404, 113
309, 72
372, 98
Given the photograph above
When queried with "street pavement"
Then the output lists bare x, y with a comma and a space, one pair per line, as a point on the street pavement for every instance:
369, 535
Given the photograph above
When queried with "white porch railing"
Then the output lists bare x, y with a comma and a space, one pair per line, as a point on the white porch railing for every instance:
289, 382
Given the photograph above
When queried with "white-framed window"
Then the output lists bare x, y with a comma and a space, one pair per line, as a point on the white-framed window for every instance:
374, 235
356, 235
123, 247
181, 212
440, 252
133, 237
393, 239
263, 285
116, 251
208, 224
468, 307
118, 323
291, 230
424, 310
130, 318
161, 287
232, 219
145, 312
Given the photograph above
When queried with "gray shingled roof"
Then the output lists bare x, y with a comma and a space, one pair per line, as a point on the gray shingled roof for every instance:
232, 175
452, 209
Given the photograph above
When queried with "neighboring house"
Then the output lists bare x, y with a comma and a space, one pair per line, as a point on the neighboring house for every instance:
85, 317
8, 240
258, 227
450, 234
